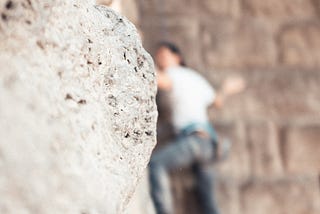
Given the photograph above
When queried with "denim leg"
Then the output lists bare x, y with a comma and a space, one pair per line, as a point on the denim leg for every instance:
179, 154
205, 185
160, 190
204, 175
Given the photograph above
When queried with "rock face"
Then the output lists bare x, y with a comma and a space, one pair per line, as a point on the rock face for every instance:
77, 114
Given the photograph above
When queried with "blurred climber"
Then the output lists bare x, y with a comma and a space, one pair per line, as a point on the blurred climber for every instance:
196, 143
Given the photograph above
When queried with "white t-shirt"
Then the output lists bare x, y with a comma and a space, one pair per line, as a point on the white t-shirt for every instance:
191, 96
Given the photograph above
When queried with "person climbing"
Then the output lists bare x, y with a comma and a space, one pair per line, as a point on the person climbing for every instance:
196, 144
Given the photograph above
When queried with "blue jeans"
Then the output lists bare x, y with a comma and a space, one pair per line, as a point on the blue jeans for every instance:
187, 151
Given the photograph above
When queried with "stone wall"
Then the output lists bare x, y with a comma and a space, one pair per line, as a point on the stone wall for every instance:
274, 165
78, 113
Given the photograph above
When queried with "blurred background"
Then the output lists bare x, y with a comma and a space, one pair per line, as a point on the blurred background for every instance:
274, 165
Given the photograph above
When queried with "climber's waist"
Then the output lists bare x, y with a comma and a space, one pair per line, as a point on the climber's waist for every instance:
201, 129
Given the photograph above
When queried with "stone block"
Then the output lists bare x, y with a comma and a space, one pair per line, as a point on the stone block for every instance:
230, 167
228, 195
302, 149
229, 44
220, 8
165, 7
276, 94
104, 2
264, 149
287, 196
129, 8
299, 45
277, 10
255, 145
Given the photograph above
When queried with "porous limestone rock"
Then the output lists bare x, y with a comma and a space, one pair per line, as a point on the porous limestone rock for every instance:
77, 113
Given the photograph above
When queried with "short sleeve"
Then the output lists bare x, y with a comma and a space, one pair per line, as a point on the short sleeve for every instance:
207, 91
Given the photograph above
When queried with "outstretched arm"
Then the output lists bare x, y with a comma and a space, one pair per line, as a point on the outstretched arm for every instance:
232, 85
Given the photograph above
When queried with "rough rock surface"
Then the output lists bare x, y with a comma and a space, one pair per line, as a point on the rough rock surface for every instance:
77, 114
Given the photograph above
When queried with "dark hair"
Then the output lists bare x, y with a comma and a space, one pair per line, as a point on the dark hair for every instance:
174, 49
